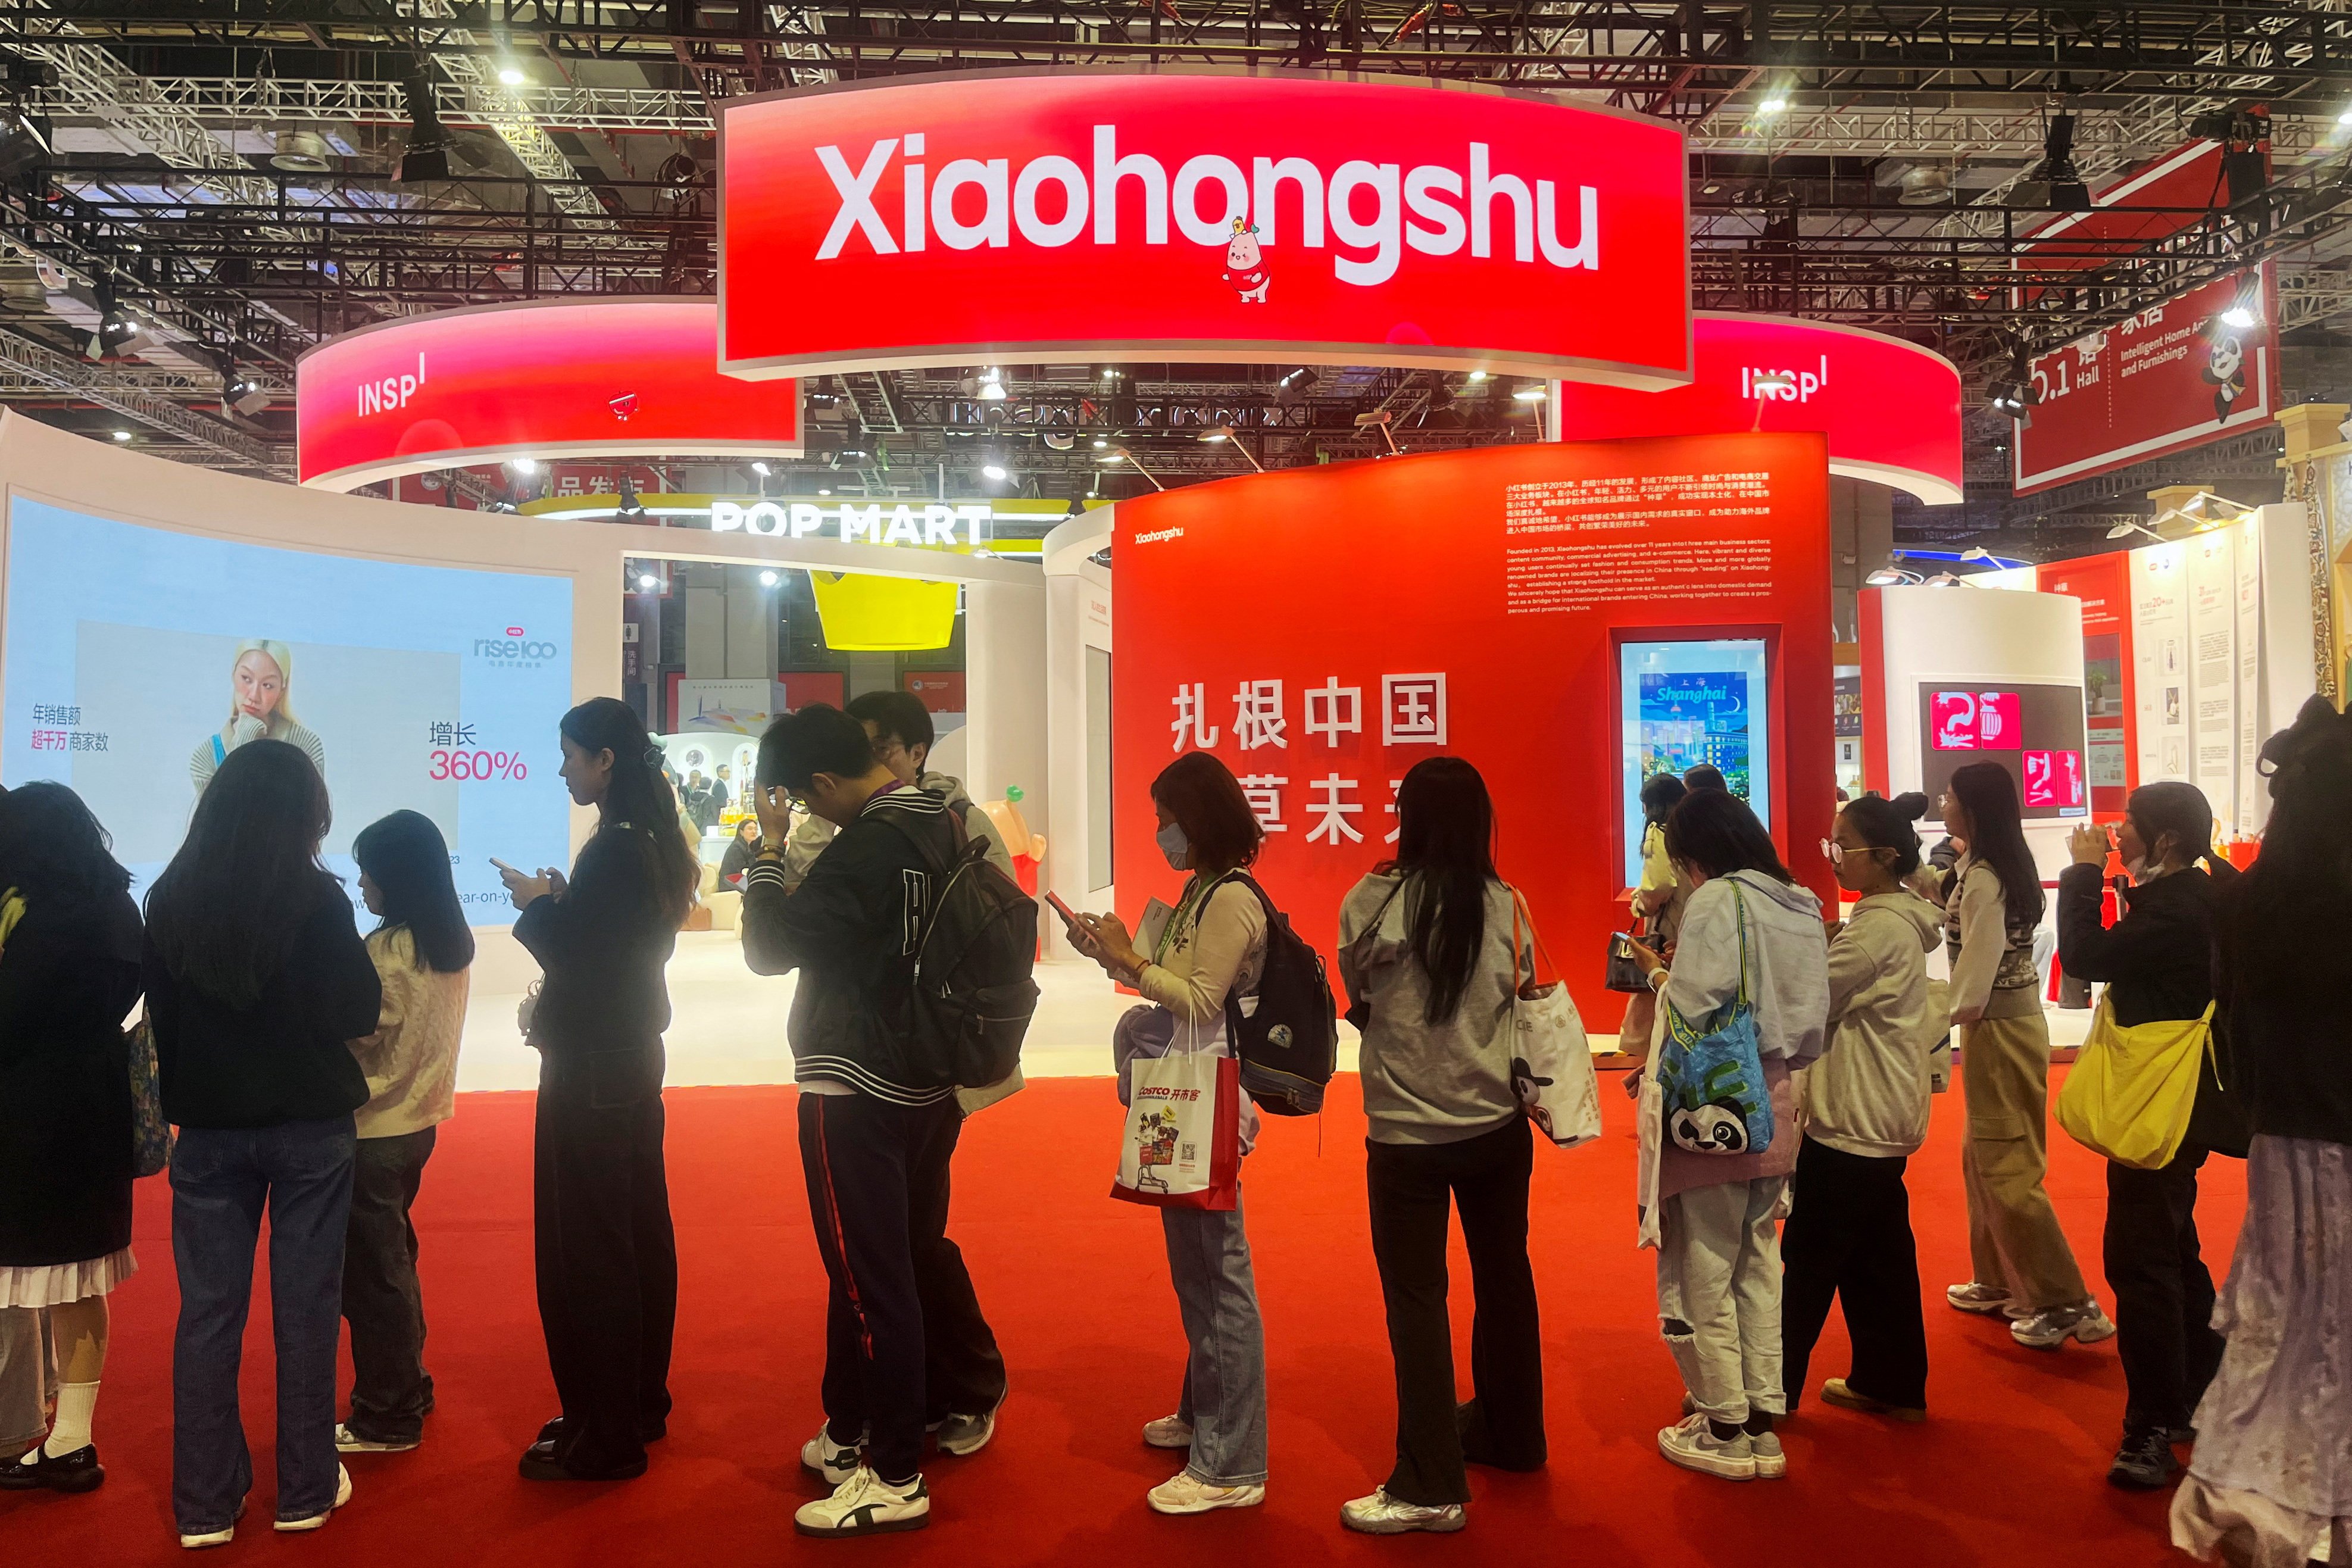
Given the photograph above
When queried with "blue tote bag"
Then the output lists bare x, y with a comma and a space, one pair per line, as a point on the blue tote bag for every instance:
1711, 1075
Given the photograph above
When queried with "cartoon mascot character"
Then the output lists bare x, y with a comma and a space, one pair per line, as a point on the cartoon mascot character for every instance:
2225, 369
1246, 263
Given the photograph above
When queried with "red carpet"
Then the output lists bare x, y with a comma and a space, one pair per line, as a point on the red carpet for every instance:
2011, 1468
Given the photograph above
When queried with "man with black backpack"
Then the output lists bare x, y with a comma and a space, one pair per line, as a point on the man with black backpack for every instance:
906, 946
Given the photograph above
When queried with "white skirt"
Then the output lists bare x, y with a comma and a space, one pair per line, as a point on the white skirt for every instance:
55, 1284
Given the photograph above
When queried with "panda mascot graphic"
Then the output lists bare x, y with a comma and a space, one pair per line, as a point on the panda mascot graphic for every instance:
1718, 1127
2225, 367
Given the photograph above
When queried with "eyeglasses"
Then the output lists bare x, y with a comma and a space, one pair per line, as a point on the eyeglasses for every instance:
1833, 851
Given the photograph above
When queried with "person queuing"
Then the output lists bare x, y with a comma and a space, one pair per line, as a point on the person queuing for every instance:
69, 941
878, 1121
257, 981
900, 727
2158, 964
421, 950
2270, 1479
605, 1252
1706, 775
1864, 1108
1211, 946
2023, 1267
1430, 951
1749, 931
1658, 901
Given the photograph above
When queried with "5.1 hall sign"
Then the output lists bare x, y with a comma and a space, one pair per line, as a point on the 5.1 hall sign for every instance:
1275, 216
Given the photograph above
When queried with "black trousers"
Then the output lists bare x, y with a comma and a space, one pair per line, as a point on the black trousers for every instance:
391, 1390
607, 1270
906, 1342
2164, 1294
1848, 1237
1410, 1185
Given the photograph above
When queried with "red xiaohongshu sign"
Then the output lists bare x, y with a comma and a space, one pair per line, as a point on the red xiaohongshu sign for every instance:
2174, 376
1278, 217
1321, 630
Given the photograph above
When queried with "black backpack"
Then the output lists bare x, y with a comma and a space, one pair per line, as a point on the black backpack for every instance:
973, 993
1289, 1047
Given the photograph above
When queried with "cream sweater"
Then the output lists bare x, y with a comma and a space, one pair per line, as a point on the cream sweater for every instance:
411, 1060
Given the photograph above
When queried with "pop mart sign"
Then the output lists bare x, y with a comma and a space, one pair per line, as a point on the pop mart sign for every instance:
1166, 215
933, 524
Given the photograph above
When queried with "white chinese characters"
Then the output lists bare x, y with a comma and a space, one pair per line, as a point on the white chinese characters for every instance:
1413, 713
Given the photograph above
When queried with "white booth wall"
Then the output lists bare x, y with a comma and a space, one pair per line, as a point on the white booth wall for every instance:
1078, 631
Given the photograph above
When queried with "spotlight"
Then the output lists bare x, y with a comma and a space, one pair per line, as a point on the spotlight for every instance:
630, 505
1478, 375
1772, 106
2238, 316
1100, 444
1889, 576
1227, 433
120, 435
243, 394
767, 579
992, 471
301, 152
647, 582
2344, 118
2056, 184
510, 75
1531, 394
991, 389
824, 492
761, 469
1222, 433
2013, 397
2126, 528
523, 465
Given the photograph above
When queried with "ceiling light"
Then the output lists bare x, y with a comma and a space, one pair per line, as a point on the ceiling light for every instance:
824, 492
1100, 443
120, 435
647, 582
2344, 118
991, 386
761, 469
2238, 316
767, 579
994, 471
1478, 375
1887, 577
1923, 186
1112, 457
1531, 394
511, 75
301, 152
524, 465
1222, 433
1772, 106
630, 505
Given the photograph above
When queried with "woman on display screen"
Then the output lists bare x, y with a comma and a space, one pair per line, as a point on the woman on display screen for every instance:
261, 678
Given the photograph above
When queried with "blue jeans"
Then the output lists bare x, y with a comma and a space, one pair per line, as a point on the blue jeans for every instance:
222, 1178
1224, 1369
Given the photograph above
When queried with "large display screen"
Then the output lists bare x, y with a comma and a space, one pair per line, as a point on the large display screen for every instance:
137, 658
1686, 702
2034, 730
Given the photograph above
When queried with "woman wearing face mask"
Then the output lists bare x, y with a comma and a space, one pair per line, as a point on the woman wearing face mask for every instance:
2025, 1270
260, 707
2157, 964
1865, 1109
607, 1258
1211, 946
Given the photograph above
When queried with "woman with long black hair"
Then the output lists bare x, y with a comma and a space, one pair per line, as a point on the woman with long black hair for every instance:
422, 950
256, 982
1433, 956
607, 1258
2024, 1268
69, 971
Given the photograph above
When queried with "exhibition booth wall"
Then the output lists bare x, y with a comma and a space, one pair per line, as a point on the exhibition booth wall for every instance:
425, 654
1567, 617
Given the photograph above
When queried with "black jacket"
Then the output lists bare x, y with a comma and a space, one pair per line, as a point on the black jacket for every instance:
851, 930
2284, 978
288, 1057
66, 981
604, 945
2158, 962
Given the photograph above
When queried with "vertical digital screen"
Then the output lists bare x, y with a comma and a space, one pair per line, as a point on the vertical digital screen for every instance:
1685, 703
2035, 732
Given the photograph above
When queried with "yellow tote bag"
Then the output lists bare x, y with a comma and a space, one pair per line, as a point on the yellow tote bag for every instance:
2131, 1091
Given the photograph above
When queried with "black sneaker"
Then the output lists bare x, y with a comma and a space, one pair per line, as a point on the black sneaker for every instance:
2144, 1463
78, 1471
648, 1432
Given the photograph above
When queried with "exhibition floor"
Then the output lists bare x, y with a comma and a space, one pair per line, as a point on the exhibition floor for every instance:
2011, 1469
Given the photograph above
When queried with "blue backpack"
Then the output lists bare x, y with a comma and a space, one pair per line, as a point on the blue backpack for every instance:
1711, 1075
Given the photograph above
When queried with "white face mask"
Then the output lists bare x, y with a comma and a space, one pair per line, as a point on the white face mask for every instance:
1175, 845
2136, 869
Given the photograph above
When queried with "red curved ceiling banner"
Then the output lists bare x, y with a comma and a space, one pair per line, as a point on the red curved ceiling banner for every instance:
601, 377
1891, 409
1276, 216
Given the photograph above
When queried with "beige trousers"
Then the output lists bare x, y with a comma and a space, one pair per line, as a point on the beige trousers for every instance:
2014, 1240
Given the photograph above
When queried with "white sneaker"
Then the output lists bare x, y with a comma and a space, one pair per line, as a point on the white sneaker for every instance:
349, 1442
204, 1538
1381, 1514
834, 1461
2053, 1326
1692, 1444
317, 1520
1987, 1299
865, 1504
1169, 1432
1771, 1460
1185, 1492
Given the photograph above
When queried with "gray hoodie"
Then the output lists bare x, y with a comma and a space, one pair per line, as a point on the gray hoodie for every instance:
1788, 978
1868, 1094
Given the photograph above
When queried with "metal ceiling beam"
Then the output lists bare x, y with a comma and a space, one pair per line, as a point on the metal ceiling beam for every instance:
78, 379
